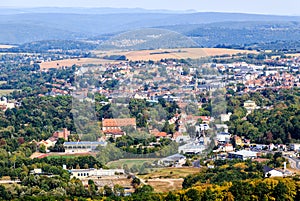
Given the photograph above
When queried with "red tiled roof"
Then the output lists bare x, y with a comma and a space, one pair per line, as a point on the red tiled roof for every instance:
114, 132
119, 122
161, 134
176, 134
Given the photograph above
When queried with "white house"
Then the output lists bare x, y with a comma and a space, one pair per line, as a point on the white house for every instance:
223, 137
250, 106
202, 127
227, 147
295, 147
270, 172
226, 117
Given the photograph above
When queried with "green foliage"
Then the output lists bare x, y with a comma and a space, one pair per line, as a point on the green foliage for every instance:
277, 125
225, 173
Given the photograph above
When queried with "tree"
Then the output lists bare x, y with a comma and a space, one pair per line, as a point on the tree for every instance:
280, 191
188, 163
42, 148
209, 195
119, 190
108, 191
135, 182
3, 193
86, 166
241, 190
171, 197
193, 194
92, 188
145, 189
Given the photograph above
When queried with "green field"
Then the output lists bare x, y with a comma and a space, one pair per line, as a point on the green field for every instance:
66, 156
55, 156
129, 162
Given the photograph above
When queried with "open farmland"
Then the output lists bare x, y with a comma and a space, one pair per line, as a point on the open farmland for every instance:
293, 55
71, 62
6, 46
182, 53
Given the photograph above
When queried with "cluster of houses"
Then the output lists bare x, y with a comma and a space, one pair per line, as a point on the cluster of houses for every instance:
168, 80
50, 142
281, 74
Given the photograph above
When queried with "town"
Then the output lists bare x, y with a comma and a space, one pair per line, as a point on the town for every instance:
171, 114
136, 104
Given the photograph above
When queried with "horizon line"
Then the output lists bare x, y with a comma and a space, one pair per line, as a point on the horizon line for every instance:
186, 11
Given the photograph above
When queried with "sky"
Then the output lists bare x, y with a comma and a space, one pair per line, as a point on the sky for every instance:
277, 7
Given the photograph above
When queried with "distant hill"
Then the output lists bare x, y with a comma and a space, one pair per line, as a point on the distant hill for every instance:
27, 25
239, 33
17, 33
148, 38
77, 10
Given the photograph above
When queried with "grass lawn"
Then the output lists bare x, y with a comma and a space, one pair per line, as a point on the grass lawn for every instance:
66, 155
55, 156
129, 162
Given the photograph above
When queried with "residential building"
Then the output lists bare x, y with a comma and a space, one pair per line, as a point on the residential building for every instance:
62, 134
223, 137
47, 143
160, 135
270, 172
114, 133
250, 106
226, 117
4, 104
227, 147
36, 171
295, 147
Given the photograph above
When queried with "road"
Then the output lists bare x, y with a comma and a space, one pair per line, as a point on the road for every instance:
294, 162
9, 181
